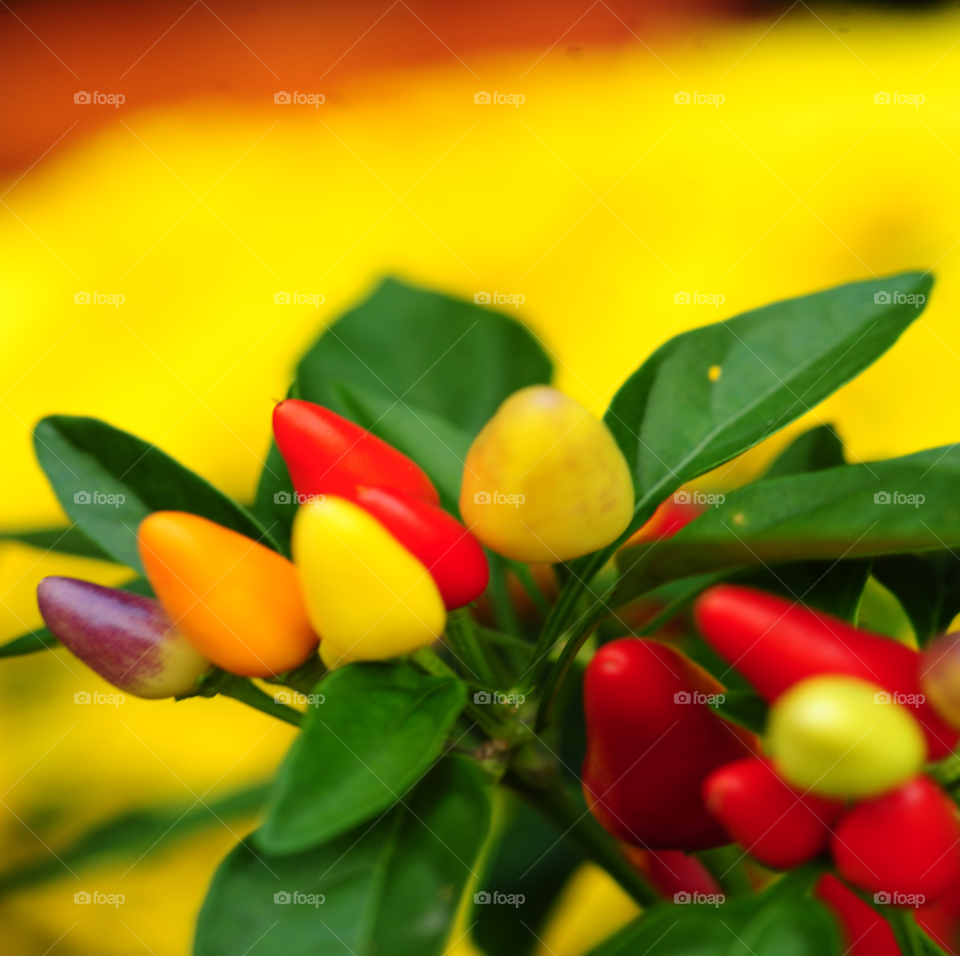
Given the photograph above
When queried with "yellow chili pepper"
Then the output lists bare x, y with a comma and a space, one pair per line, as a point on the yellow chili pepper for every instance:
367, 596
840, 736
237, 602
545, 481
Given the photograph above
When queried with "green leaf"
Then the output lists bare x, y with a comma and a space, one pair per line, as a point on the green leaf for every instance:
389, 888
746, 708
927, 586
68, 539
823, 515
132, 834
776, 363
378, 731
85, 456
275, 506
437, 446
451, 358
814, 450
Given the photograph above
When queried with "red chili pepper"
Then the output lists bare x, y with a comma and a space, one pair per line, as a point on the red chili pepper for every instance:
776, 824
672, 872
776, 643
905, 842
450, 553
327, 454
865, 931
941, 920
651, 741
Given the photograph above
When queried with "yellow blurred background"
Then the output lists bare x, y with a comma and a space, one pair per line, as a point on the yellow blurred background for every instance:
597, 200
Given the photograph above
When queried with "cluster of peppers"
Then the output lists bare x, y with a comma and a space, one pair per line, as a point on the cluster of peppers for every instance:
377, 563
853, 719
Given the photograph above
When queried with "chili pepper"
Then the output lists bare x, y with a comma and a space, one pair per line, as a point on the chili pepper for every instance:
905, 842
236, 601
366, 594
672, 872
127, 639
775, 643
671, 515
865, 931
940, 677
651, 741
838, 736
940, 920
328, 454
544, 481
435, 538
779, 826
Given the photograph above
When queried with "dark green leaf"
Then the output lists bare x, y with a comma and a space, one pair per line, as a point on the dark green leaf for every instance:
390, 887
378, 731
837, 513
275, 506
451, 358
438, 447
64, 540
132, 835
776, 363
814, 450
927, 586
746, 708
85, 456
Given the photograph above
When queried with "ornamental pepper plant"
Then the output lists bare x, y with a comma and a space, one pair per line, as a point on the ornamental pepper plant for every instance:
518, 638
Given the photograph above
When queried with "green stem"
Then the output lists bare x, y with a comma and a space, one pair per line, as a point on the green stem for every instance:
500, 595
548, 796
463, 640
251, 695
525, 577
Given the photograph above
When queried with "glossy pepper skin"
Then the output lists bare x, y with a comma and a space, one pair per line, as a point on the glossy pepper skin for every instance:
779, 826
450, 553
833, 735
865, 931
907, 841
366, 594
330, 455
127, 639
775, 643
545, 481
648, 750
236, 601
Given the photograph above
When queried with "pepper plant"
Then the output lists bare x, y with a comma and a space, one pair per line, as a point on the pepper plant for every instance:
524, 645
